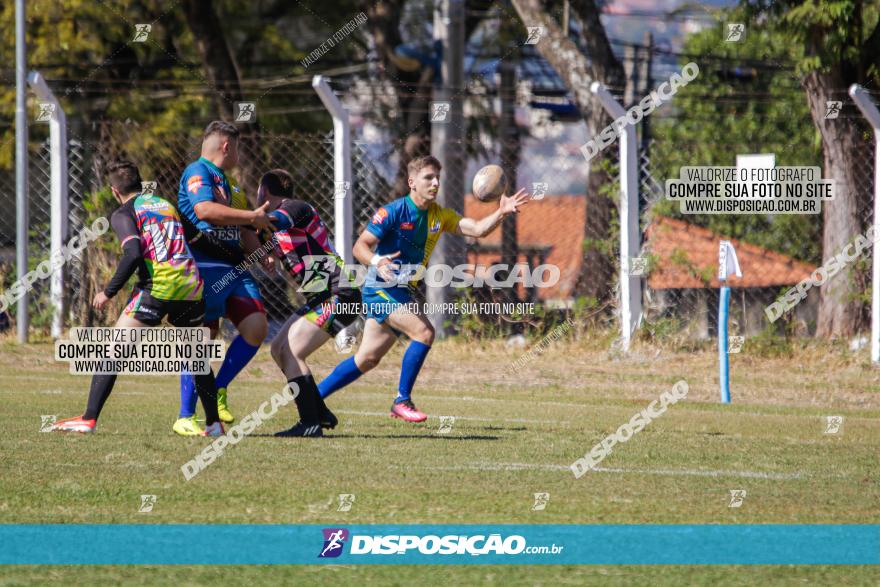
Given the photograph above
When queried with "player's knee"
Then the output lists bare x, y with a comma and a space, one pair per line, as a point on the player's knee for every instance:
425, 334
277, 348
367, 362
254, 329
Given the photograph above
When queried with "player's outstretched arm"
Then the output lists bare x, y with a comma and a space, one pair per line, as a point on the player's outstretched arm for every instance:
221, 215
209, 244
507, 205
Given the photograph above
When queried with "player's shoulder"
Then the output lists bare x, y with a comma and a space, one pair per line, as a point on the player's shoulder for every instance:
296, 207
394, 206
152, 202
435, 209
197, 167
126, 209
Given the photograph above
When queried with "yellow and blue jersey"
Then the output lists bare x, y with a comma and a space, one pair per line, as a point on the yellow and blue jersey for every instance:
402, 226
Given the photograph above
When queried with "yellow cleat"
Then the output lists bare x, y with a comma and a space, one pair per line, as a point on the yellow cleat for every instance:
188, 427
223, 408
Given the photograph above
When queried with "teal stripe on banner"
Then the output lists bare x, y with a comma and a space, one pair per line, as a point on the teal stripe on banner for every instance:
155, 544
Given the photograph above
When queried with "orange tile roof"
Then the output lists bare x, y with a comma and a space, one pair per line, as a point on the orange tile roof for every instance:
671, 239
556, 221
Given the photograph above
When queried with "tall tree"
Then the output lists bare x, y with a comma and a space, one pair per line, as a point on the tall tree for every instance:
577, 73
225, 79
412, 88
841, 46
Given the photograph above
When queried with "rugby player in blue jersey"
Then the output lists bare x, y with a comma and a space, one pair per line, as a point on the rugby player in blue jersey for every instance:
211, 200
405, 231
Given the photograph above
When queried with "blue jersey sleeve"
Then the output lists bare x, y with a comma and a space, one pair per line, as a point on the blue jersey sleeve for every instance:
199, 184
281, 219
381, 222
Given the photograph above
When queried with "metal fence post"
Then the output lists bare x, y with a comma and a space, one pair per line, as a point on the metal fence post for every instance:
863, 100
21, 167
343, 194
59, 194
630, 286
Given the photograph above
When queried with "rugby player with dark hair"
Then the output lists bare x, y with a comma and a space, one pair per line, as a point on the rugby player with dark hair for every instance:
156, 245
303, 245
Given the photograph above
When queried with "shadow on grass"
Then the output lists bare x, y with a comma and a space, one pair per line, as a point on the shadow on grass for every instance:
394, 436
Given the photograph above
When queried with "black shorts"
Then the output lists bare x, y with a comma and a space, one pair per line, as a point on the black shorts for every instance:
149, 310
326, 313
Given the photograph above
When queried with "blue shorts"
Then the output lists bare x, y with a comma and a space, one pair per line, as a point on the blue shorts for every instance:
226, 294
378, 303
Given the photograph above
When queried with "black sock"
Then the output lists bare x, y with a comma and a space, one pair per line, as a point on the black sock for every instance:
102, 385
307, 398
322, 407
206, 387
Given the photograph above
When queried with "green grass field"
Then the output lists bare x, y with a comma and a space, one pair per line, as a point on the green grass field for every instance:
514, 435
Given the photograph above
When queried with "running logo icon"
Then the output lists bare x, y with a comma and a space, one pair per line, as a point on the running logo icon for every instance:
148, 188
439, 111
246, 112
735, 32
46, 113
832, 109
141, 33
46, 423
541, 500
833, 424
317, 274
539, 190
736, 498
346, 500
535, 34
334, 540
147, 503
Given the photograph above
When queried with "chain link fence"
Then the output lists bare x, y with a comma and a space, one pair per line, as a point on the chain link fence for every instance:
561, 227
308, 156
681, 294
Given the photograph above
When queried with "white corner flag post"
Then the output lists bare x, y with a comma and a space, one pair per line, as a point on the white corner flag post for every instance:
727, 264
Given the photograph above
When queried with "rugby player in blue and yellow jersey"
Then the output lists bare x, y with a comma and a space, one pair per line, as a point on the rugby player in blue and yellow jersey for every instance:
405, 231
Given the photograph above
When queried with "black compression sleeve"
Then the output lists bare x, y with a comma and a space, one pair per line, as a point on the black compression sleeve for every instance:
207, 243
131, 256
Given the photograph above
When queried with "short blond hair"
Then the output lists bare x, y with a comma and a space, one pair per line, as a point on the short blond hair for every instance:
419, 163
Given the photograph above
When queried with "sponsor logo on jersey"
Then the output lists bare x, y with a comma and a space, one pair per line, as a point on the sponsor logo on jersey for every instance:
220, 194
406, 226
194, 183
380, 216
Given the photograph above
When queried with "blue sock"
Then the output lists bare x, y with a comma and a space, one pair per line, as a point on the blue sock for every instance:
344, 373
238, 355
188, 395
413, 359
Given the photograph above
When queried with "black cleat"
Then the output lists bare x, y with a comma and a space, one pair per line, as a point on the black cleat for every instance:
327, 418
303, 430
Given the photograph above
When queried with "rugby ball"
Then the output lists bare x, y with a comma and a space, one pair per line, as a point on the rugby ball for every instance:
490, 183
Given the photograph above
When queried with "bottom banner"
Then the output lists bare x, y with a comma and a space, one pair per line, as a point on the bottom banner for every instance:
154, 544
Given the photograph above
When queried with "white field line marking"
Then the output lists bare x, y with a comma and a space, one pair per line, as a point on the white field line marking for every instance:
489, 466
508, 401
616, 407
511, 420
